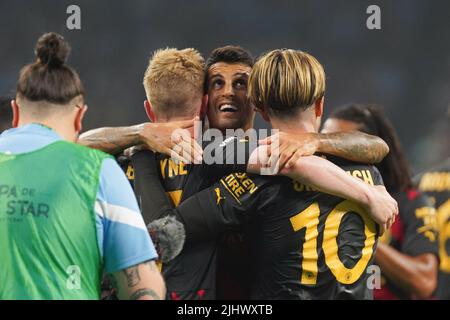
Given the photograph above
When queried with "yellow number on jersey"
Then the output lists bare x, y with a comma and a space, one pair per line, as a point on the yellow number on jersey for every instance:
443, 216
309, 219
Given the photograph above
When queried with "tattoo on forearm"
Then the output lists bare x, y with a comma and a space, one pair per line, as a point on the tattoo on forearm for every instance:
114, 283
355, 146
145, 293
111, 140
133, 277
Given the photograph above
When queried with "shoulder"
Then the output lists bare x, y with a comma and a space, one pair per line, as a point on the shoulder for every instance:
83, 151
412, 199
367, 172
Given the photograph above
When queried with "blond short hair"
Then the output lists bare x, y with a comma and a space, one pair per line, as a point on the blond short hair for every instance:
286, 80
174, 80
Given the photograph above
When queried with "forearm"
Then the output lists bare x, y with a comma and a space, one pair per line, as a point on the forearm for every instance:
149, 190
355, 146
140, 282
410, 273
326, 177
112, 140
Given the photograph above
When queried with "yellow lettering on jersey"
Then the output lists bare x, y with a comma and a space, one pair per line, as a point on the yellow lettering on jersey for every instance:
234, 185
300, 187
429, 228
364, 175
182, 170
162, 165
239, 184
367, 177
435, 181
130, 172
357, 174
175, 196
173, 168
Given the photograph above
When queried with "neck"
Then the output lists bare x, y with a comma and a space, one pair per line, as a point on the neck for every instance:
297, 125
61, 127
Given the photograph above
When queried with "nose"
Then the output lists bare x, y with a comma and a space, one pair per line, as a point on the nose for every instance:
228, 89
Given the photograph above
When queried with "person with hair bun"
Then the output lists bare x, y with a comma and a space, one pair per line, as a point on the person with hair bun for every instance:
67, 212
408, 253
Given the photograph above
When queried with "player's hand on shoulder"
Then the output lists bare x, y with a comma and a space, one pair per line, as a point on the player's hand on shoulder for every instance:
173, 139
286, 148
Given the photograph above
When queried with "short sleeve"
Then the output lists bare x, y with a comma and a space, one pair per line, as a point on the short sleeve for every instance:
123, 237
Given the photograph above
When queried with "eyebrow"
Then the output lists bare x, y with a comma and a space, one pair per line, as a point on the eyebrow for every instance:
216, 75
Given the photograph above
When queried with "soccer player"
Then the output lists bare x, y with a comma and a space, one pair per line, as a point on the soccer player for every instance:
436, 183
408, 253
67, 213
182, 180
5, 113
304, 244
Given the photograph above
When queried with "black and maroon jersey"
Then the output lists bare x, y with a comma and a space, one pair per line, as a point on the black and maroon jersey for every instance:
303, 244
413, 233
192, 274
436, 184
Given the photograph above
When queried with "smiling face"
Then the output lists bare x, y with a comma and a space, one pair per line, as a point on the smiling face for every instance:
229, 107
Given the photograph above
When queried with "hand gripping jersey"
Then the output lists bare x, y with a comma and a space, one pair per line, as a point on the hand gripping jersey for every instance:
436, 184
47, 223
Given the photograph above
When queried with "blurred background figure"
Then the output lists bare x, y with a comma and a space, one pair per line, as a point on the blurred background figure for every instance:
408, 253
436, 183
5, 113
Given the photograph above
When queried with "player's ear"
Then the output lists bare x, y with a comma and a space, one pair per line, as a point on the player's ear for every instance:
81, 111
318, 105
204, 107
16, 113
148, 110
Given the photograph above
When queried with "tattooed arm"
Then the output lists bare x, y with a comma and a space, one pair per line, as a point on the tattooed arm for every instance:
353, 145
158, 137
140, 282
112, 140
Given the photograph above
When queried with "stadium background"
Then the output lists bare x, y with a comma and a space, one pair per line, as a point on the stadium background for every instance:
405, 66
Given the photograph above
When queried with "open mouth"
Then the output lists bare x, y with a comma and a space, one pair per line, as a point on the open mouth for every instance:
228, 108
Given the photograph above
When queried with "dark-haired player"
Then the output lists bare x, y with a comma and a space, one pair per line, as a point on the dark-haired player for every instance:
5, 113
66, 212
304, 244
408, 252
436, 183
